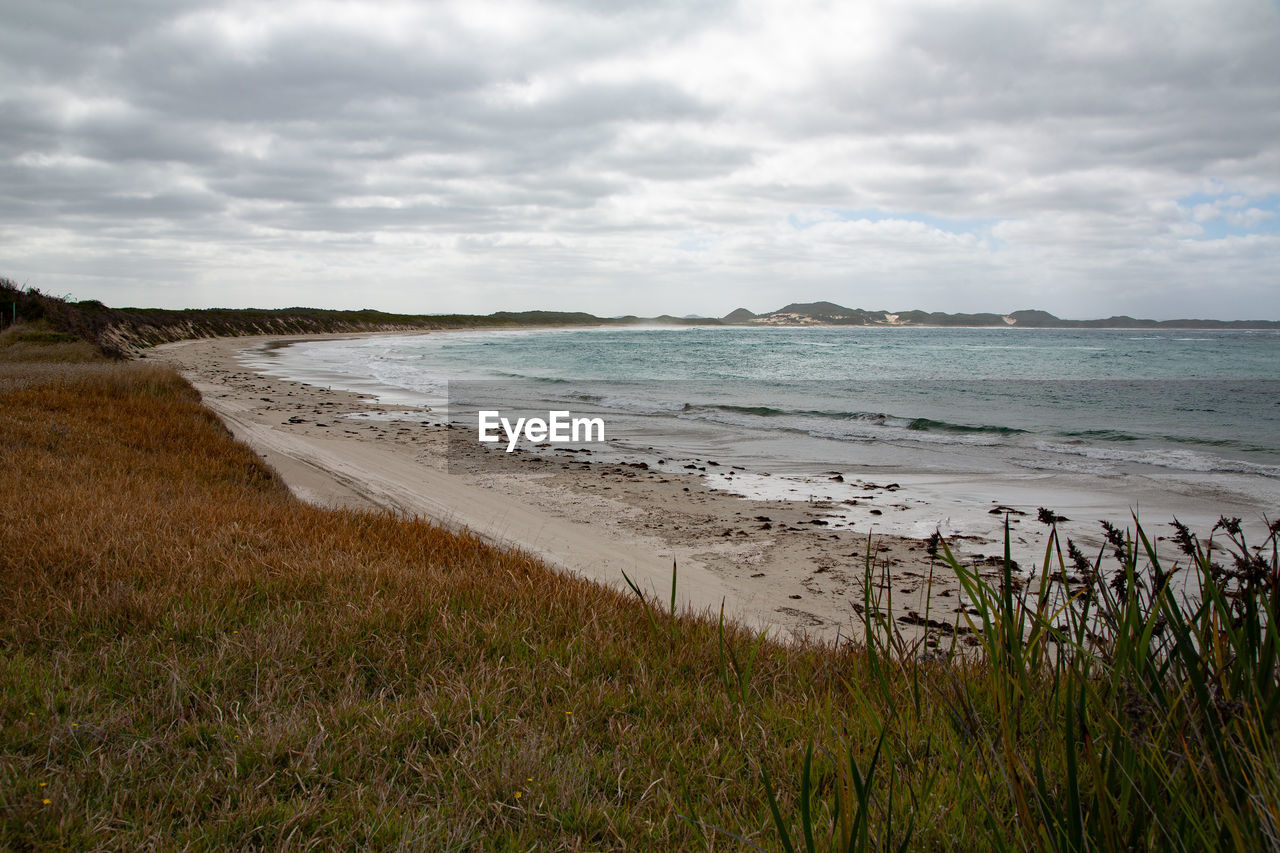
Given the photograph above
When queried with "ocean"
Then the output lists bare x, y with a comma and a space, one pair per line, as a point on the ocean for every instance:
1094, 423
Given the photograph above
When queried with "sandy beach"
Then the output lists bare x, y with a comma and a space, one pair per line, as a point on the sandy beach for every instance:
774, 564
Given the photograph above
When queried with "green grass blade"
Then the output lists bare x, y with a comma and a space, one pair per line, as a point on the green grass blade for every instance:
783, 835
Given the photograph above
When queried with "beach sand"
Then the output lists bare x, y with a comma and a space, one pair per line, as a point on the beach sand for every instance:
773, 564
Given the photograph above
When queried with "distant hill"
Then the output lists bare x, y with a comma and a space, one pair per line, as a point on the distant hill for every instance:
831, 314
819, 309
668, 320
828, 312
1034, 318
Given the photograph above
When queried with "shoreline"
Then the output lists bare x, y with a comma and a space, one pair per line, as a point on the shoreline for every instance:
794, 565
955, 487
775, 564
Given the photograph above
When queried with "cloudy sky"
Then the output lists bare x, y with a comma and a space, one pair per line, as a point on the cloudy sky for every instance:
1087, 158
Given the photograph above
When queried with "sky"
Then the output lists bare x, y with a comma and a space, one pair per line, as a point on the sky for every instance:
624, 157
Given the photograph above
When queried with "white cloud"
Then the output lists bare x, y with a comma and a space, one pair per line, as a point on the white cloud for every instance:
645, 157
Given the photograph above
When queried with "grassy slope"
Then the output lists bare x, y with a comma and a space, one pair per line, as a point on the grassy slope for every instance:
189, 657
190, 654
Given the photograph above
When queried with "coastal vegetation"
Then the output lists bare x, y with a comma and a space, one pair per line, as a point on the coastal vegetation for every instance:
121, 332
1119, 702
191, 657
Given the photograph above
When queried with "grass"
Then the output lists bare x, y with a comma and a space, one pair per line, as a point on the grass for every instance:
191, 658
36, 342
191, 655
1129, 707
1164, 682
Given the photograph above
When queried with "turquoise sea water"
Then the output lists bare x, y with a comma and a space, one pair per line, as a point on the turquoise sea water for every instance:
1084, 400
1093, 423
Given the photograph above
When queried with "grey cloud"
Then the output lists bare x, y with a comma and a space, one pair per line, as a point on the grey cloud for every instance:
1085, 85
281, 180
1075, 126
141, 138
130, 207
674, 159
309, 77
595, 103
28, 123
356, 220
59, 39
803, 194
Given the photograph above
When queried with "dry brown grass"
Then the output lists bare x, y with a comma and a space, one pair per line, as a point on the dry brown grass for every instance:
191, 657
25, 343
